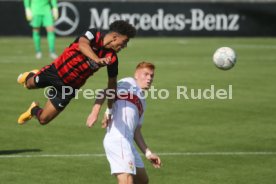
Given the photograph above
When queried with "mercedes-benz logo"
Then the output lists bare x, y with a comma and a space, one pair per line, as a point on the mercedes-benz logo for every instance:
68, 20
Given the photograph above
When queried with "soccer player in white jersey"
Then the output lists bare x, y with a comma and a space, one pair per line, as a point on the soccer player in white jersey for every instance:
124, 127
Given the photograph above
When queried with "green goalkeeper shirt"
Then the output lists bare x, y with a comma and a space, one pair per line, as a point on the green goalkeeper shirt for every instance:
40, 7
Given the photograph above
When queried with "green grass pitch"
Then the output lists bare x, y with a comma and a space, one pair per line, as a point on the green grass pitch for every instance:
229, 141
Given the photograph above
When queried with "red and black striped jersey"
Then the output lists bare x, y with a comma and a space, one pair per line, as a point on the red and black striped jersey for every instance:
74, 68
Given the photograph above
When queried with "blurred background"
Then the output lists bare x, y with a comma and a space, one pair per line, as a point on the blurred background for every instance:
153, 18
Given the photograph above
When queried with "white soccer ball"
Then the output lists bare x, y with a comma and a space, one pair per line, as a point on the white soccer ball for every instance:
224, 58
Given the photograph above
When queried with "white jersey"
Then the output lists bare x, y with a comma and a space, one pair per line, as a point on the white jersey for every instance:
126, 115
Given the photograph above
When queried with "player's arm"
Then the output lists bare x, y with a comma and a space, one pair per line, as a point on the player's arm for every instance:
111, 95
84, 46
93, 116
54, 9
111, 86
112, 71
28, 12
152, 157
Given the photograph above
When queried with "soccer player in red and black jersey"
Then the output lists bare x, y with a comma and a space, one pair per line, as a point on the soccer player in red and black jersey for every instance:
87, 54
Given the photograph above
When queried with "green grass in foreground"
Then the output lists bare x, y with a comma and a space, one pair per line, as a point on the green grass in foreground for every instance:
245, 123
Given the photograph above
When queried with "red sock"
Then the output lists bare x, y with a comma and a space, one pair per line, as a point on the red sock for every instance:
36, 111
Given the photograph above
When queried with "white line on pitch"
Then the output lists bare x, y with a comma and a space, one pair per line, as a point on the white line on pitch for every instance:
216, 153
161, 154
52, 155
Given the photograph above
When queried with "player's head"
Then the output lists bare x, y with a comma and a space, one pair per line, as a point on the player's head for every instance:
119, 33
144, 74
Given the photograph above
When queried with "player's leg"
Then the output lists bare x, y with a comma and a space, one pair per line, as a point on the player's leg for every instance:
119, 155
27, 79
36, 23
45, 115
124, 178
51, 42
38, 78
55, 104
37, 41
141, 176
48, 23
47, 76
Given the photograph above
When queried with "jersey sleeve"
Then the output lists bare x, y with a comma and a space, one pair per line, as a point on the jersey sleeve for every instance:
123, 85
91, 35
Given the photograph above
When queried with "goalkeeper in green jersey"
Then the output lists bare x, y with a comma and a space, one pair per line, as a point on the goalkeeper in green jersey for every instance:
42, 13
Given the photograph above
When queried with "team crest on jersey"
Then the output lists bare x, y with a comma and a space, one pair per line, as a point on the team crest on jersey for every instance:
36, 79
131, 165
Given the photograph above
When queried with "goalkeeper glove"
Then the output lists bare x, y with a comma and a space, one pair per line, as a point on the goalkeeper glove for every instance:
28, 13
55, 13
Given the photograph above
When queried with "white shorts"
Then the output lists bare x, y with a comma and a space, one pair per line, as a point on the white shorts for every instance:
122, 155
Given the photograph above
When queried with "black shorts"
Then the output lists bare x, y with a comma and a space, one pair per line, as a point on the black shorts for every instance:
57, 92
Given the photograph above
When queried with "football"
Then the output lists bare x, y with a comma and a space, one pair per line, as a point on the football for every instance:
224, 58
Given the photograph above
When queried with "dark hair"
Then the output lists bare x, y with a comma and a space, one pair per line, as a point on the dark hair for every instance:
124, 28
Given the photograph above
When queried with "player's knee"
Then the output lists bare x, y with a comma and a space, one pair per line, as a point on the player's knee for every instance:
29, 84
44, 120
144, 180
50, 29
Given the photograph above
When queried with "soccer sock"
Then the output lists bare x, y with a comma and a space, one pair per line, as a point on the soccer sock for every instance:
36, 111
51, 41
36, 38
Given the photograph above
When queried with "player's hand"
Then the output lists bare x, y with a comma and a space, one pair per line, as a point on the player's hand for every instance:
104, 61
155, 160
28, 13
93, 116
104, 121
55, 13
91, 120
107, 118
